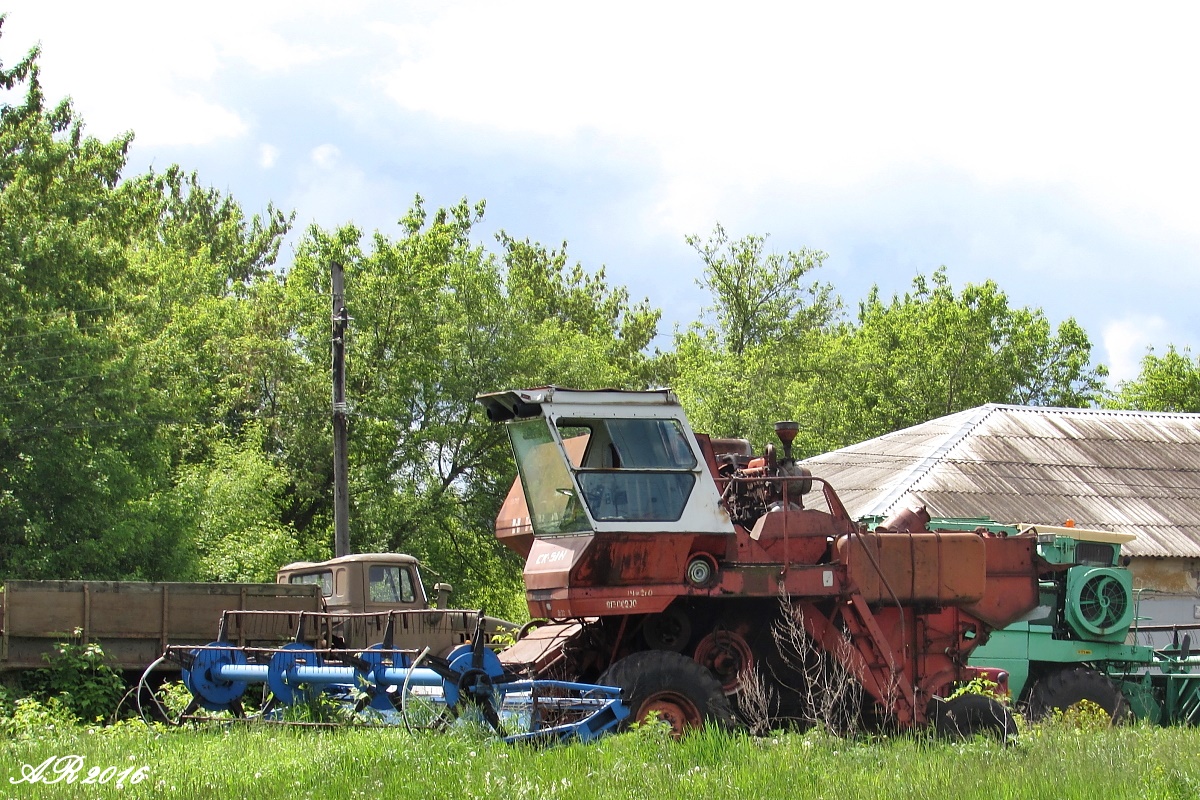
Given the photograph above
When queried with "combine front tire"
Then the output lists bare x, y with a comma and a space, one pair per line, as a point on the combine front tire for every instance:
684, 694
969, 714
1064, 688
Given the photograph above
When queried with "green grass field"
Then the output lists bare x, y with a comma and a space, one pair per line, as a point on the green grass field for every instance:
1051, 761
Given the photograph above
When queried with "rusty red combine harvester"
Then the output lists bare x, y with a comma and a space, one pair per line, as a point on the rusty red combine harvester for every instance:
663, 561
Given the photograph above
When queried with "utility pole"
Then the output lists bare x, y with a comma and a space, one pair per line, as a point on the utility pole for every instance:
341, 465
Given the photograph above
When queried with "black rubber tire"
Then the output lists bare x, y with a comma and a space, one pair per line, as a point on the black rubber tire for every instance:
1063, 688
968, 714
662, 679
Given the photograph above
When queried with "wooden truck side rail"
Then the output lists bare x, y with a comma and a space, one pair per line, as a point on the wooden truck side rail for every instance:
134, 622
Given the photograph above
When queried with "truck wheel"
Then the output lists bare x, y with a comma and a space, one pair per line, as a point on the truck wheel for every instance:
683, 694
969, 714
1064, 688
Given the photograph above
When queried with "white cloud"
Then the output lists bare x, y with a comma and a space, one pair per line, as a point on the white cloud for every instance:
835, 94
1126, 342
186, 118
326, 156
897, 122
271, 52
268, 155
158, 68
724, 101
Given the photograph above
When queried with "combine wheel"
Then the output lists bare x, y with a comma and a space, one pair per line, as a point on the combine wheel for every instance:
682, 693
727, 655
969, 714
668, 630
1064, 688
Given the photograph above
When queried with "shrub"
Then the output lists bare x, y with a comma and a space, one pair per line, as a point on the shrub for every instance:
79, 679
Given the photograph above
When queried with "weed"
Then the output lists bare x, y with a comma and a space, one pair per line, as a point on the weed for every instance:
1082, 716
830, 695
32, 718
174, 698
652, 728
983, 686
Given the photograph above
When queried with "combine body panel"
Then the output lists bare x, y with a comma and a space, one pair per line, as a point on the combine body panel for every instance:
657, 550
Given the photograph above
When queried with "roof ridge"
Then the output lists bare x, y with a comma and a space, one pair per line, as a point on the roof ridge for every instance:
1116, 412
889, 496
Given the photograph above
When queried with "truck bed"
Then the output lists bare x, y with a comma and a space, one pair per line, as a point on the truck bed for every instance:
132, 621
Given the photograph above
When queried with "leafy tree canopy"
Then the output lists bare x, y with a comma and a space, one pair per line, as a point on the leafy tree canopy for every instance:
780, 349
934, 351
1170, 382
132, 344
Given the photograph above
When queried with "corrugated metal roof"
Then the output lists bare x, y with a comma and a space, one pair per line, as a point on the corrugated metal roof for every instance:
1127, 471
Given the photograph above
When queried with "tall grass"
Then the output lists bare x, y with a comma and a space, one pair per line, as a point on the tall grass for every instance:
1053, 761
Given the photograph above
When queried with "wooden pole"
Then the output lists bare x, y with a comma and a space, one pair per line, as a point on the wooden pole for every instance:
341, 466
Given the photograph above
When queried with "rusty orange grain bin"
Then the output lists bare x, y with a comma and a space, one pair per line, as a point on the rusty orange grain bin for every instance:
1012, 589
906, 568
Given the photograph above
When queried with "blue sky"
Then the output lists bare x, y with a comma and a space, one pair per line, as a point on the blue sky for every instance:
1048, 146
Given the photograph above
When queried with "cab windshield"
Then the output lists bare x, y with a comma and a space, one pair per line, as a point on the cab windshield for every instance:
621, 470
554, 505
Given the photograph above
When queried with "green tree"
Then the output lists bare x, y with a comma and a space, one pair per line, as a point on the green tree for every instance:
238, 497
202, 319
72, 451
934, 352
735, 371
138, 334
1170, 382
778, 349
761, 299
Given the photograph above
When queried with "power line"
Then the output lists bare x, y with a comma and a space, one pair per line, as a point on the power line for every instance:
83, 426
62, 312
51, 330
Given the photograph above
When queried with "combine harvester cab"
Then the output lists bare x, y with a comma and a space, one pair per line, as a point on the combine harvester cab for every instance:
673, 565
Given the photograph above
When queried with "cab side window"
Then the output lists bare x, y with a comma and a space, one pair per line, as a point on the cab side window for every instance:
324, 579
391, 584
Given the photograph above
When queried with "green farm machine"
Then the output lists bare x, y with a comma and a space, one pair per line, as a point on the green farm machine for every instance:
1080, 642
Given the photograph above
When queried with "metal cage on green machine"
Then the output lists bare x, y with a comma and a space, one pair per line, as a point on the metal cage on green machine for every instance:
1099, 603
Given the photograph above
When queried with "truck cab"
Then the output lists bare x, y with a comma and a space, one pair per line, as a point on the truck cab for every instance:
366, 582
362, 592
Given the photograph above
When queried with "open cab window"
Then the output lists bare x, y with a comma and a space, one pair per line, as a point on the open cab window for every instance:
550, 494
